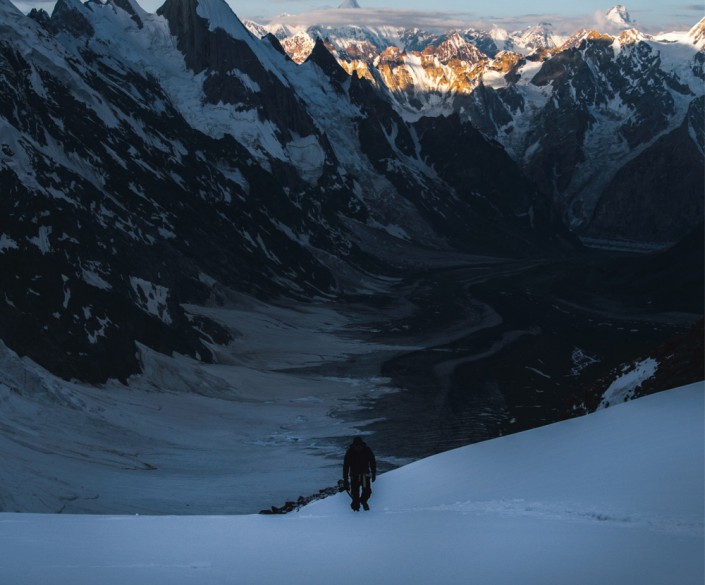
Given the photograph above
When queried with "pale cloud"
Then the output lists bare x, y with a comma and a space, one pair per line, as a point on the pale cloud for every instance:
432, 20
377, 17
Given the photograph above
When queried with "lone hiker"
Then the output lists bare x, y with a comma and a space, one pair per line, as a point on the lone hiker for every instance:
360, 467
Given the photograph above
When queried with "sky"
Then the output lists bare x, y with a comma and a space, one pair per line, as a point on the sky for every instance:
652, 13
651, 16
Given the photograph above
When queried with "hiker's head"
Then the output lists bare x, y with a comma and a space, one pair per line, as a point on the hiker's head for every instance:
357, 442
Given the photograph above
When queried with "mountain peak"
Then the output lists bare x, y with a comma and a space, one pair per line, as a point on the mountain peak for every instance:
324, 59
70, 15
455, 47
346, 4
219, 14
619, 16
585, 35
132, 8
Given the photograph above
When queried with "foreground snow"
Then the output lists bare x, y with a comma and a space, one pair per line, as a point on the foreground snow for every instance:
613, 498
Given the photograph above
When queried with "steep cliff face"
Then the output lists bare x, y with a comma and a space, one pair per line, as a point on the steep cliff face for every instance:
642, 201
222, 46
504, 201
602, 102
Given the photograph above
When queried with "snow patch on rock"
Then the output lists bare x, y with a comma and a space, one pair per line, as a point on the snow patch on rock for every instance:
624, 387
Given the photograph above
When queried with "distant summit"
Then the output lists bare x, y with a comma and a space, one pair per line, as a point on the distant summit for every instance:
619, 16
349, 4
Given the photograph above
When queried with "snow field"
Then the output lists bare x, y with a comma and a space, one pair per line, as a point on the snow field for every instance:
612, 498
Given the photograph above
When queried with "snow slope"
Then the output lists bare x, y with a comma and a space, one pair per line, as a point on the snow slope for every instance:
613, 498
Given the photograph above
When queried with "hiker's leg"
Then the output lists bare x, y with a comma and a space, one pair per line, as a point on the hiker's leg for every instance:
366, 489
355, 491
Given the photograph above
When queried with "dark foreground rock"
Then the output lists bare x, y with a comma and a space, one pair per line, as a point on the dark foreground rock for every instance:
304, 500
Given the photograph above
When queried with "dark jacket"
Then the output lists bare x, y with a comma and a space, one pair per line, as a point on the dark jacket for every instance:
359, 460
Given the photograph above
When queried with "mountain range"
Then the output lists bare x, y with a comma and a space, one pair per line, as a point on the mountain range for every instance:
150, 160
388, 234
610, 125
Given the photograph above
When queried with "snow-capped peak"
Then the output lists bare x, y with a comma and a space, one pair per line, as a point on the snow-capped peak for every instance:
536, 37
345, 4
619, 16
